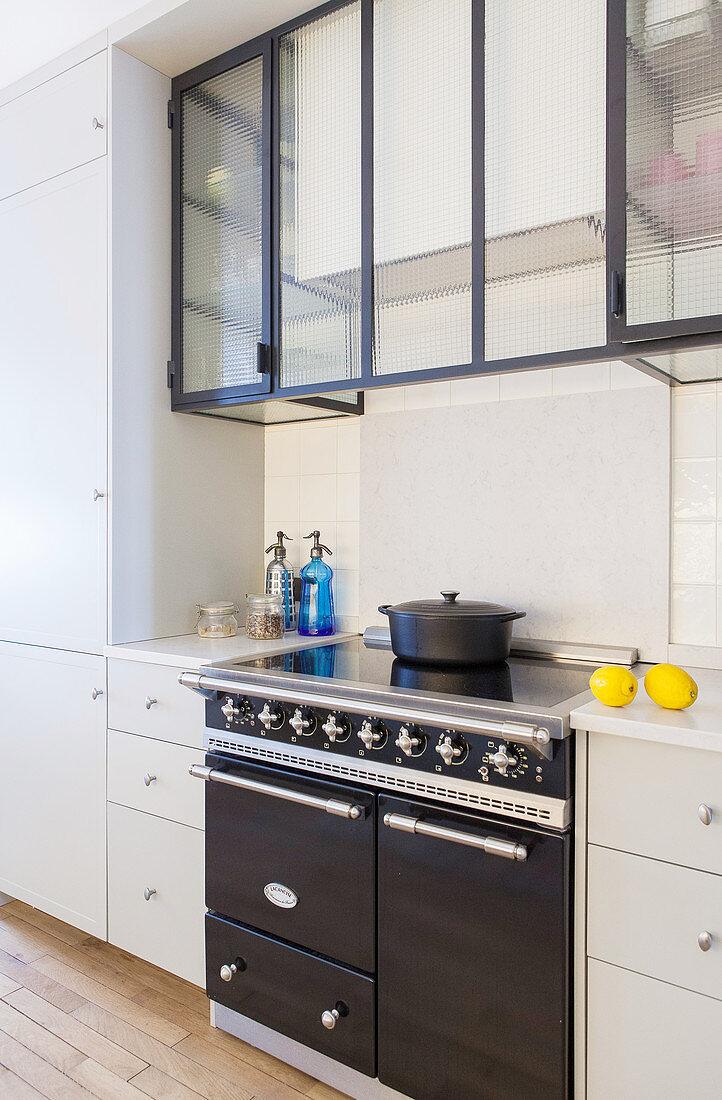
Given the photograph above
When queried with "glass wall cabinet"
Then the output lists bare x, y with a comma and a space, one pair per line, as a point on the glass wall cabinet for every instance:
398, 190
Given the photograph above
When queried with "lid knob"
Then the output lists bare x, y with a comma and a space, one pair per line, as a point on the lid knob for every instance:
449, 597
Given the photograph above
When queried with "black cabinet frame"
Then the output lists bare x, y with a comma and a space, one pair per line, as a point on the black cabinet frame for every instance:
628, 343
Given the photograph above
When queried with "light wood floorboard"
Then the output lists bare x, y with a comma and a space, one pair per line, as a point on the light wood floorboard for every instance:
80, 1018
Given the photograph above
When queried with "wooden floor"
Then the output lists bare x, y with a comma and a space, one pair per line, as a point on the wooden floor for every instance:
79, 1019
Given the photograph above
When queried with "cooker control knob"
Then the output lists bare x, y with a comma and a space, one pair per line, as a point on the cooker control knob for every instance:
332, 730
501, 760
267, 717
303, 721
230, 709
406, 742
449, 749
369, 734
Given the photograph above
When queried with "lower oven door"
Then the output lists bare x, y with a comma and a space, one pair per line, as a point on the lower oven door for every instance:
474, 956
278, 860
318, 1003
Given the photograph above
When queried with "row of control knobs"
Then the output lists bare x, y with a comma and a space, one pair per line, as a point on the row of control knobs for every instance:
452, 748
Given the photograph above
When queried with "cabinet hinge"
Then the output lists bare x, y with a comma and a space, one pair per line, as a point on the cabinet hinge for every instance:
616, 294
170, 365
171, 113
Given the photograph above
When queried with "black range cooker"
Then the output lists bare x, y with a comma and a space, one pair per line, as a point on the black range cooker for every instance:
388, 866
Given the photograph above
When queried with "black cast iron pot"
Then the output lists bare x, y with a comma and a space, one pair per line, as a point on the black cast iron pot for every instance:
451, 631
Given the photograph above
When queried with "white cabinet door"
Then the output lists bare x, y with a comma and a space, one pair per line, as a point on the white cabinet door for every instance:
155, 891
53, 380
52, 783
50, 129
649, 1040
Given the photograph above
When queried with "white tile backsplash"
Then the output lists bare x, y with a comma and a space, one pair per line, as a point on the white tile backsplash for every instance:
313, 470
696, 605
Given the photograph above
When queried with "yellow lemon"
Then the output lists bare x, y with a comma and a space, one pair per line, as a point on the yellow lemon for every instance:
670, 687
613, 686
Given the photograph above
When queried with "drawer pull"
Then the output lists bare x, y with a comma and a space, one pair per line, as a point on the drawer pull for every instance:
704, 939
149, 702
227, 971
330, 805
148, 893
331, 1016
507, 849
704, 813
148, 779
96, 693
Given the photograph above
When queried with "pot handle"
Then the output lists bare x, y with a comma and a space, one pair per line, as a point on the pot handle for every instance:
515, 615
384, 608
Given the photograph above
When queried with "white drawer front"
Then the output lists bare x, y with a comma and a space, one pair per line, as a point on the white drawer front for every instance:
647, 916
147, 699
648, 1040
645, 798
50, 129
149, 853
153, 776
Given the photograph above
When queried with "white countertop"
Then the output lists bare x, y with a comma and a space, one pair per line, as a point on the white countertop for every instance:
700, 726
190, 651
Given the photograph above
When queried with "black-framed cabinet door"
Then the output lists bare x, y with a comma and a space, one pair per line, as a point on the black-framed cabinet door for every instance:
222, 228
664, 168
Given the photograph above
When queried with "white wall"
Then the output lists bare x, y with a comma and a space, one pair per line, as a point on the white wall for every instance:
323, 475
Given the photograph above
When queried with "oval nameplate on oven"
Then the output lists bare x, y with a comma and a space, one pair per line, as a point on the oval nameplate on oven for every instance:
280, 895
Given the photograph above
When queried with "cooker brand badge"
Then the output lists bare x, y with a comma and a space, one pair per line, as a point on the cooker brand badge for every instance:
280, 895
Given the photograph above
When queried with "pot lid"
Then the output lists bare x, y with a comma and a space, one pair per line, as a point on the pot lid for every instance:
451, 606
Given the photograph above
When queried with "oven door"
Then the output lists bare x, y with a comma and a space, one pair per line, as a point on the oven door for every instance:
293, 857
473, 969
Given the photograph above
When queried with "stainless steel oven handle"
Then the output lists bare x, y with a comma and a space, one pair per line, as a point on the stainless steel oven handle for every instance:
329, 805
507, 849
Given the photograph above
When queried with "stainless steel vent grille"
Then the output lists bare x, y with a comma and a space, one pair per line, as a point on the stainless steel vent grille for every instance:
430, 789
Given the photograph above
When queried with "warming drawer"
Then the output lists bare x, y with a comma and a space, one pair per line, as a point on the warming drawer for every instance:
318, 1003
293, 857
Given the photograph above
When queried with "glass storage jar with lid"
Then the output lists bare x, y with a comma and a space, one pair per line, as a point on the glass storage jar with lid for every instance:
217, 620
265, 619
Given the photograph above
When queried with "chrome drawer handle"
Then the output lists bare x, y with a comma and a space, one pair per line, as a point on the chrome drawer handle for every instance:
507, 849
97, 692
148, 779
149, 702
704, 813
148, 893
704, 939
97, 124
227, 972
329, 805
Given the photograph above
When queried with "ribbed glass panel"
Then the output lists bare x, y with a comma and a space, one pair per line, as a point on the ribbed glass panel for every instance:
422, 184
544, 192
674, 160
221, 211
320, 199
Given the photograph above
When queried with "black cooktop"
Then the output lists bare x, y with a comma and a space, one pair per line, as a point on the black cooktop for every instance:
542, 682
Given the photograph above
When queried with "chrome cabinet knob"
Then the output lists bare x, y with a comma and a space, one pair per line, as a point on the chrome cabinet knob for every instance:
266, 716
97, 124
704, 940
97, 692
227, 971
368, 734
230, 710
150, 702
501, 760
148, 779
329, 1018
298, 722
406, 742
447, 750
704, 813
97, 495
148, 893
